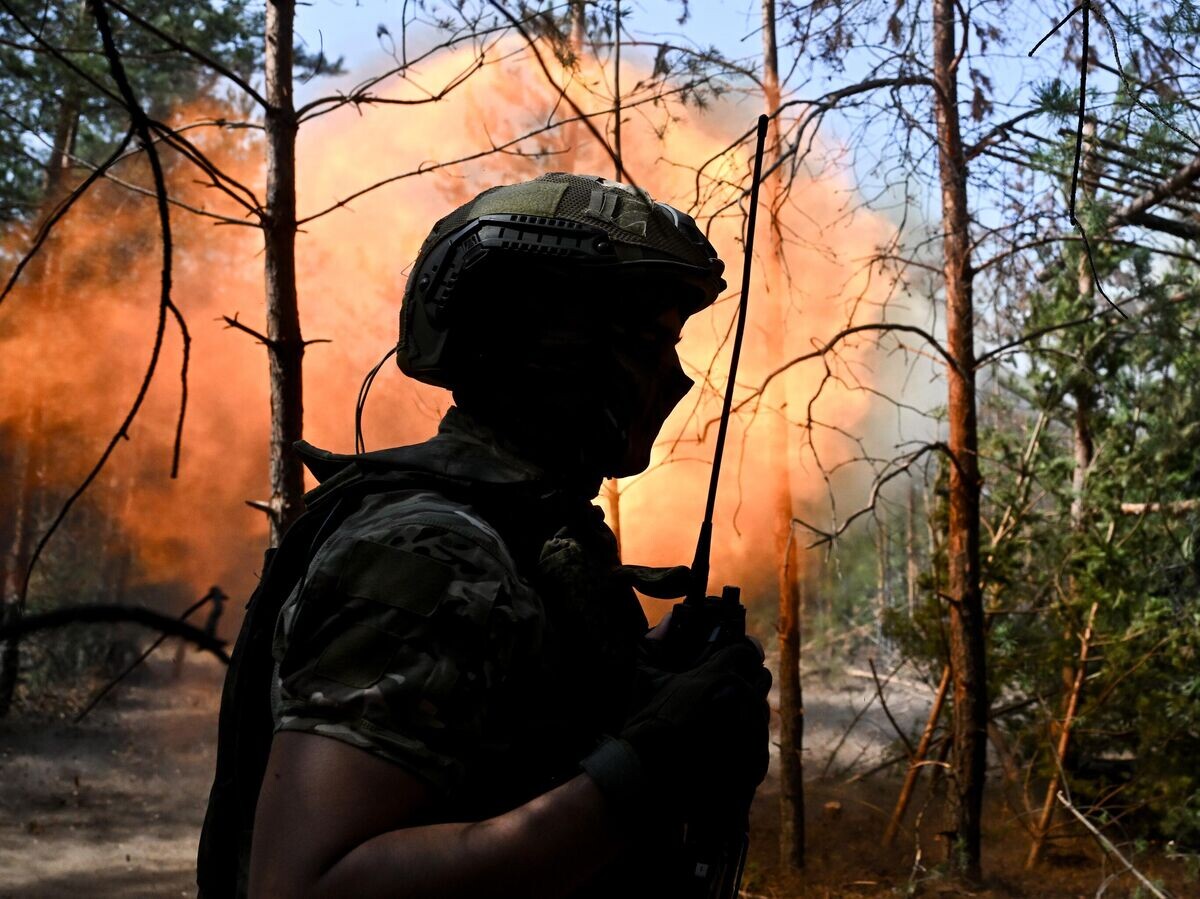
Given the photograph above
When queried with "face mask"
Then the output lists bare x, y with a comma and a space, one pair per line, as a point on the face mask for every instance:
587, 396
652, 393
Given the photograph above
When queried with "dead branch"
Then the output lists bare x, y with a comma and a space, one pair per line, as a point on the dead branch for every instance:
1064, 739
246, 329
888, 712
1107, 845
853, 724
364, 97
425, 169
873, 499
363, 88
1185, 176
1175, 227
814, 111
900, 757
115, 614
215, 594
1029, 337
917, 759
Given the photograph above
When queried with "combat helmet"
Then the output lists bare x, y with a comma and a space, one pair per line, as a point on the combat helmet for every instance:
582, 228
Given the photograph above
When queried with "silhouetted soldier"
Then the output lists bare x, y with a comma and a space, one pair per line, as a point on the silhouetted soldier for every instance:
464, 697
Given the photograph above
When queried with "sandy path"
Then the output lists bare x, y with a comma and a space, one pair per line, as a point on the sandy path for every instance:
111, 807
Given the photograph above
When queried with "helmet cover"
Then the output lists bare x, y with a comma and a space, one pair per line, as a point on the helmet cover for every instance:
522, 237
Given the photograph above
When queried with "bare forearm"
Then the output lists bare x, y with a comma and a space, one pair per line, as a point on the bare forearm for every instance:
547, 847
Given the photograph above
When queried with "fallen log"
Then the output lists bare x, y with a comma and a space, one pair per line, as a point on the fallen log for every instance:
116, 614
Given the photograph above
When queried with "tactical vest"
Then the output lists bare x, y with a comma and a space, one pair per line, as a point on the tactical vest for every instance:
525, 514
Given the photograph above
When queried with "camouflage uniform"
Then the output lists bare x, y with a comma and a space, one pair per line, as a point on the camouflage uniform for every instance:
486, 665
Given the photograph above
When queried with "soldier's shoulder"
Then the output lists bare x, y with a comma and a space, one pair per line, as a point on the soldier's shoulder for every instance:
422, 522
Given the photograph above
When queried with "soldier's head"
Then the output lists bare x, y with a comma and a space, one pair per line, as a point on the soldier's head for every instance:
551, 309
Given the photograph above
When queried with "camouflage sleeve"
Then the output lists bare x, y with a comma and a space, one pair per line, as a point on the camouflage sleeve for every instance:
403, 634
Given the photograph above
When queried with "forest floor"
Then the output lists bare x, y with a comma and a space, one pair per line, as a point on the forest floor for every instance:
112, 807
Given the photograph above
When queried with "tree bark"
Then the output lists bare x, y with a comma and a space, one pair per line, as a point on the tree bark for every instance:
285, 345
791, 700
967, 632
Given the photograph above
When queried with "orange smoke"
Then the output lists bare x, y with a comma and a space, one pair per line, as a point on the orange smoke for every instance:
83, 353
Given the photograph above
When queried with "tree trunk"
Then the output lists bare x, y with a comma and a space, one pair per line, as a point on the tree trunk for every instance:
15, 563
285, 344
791, 720
791, 701
1085, 399
27, 443
912, 570
967, 639
882, 600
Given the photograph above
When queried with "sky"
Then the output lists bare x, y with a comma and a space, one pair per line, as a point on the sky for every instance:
348, 27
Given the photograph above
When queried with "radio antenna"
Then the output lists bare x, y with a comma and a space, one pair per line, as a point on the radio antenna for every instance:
704, 542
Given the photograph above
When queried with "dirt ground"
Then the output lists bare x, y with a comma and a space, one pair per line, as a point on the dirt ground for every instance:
112, 807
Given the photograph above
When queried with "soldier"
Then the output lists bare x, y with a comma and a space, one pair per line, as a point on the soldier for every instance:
466, 700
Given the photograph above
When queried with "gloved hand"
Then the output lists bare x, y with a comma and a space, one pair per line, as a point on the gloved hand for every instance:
701, 740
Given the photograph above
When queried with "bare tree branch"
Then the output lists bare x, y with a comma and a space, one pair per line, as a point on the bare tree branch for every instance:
141, 126
179, 45
43, 232
837, 338
583, 117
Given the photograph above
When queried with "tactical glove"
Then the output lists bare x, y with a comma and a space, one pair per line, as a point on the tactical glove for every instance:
700, 741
